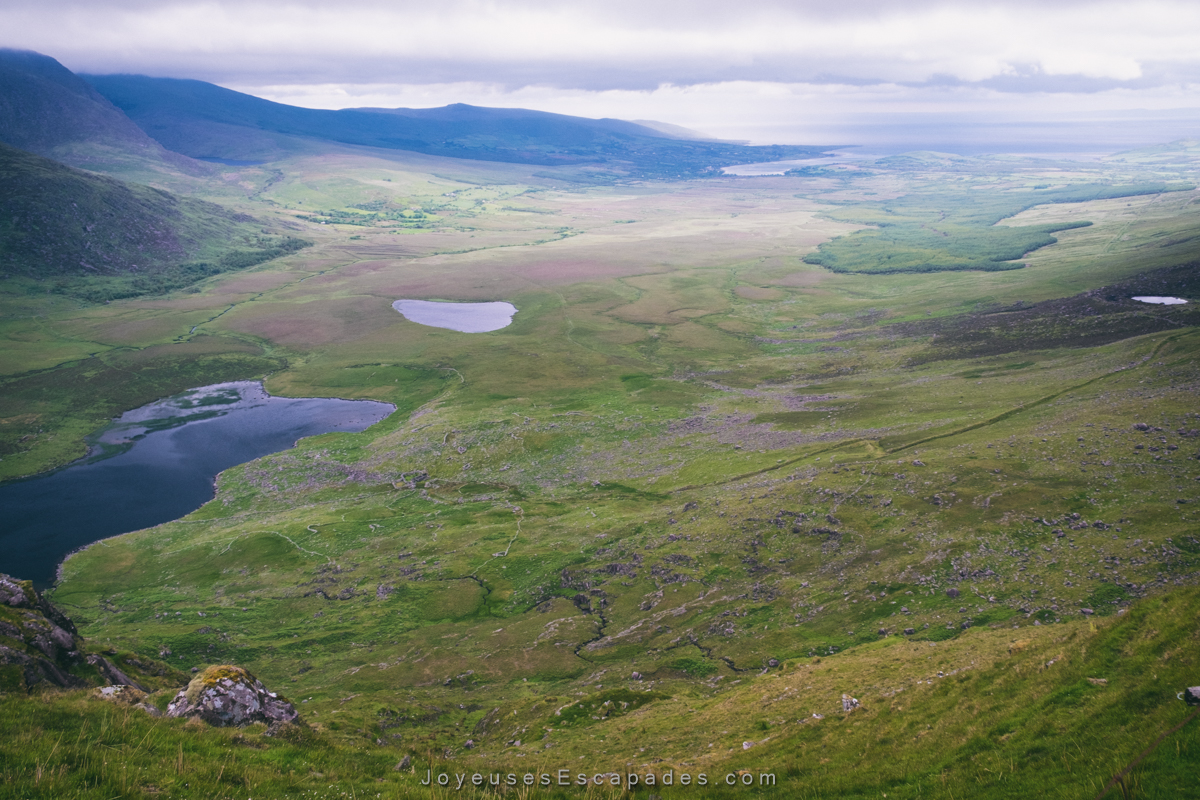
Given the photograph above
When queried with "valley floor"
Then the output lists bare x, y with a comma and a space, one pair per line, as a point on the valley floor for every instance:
699, 491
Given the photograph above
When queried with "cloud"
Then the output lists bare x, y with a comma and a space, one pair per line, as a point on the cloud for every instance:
595, 46
765, 70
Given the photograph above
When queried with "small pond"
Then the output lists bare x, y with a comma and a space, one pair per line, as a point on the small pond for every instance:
1161, 301
464, 317
155, 464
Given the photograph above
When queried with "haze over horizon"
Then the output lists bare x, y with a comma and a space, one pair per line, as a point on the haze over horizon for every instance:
1067, 76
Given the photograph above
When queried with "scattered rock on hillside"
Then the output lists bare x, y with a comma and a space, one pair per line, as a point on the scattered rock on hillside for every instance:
128, 695
112, 674
226, 695
123, 694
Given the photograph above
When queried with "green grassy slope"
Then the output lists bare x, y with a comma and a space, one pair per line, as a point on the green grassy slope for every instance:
968, 500
1060, 710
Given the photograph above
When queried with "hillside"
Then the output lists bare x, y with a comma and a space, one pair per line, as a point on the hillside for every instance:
992, 716
207, 121
47, 109
101, 238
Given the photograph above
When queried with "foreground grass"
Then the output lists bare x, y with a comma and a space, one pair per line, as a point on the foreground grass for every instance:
1057, 711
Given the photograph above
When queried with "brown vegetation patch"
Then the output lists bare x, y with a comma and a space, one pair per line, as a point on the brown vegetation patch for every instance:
803, 278
314, 323
758, 293
258, 282
200, 345
741, 430
573, 270
134, 332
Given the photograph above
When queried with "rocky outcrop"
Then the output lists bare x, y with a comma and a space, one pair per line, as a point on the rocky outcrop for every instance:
16, 593
225, 696
39, 646
33, 670
37, 641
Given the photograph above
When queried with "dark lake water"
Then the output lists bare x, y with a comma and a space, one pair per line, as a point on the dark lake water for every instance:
155, 464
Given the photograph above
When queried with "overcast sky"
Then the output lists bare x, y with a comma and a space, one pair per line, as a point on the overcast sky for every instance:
755, 69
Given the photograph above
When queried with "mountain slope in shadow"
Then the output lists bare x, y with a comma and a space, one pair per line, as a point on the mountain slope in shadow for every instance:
98, 238
48, 110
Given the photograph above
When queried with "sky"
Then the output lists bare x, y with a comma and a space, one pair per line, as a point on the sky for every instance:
1054, 75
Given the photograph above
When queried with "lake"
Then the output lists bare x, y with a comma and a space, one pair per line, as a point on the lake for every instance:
464, 317
155, 464
1160, 301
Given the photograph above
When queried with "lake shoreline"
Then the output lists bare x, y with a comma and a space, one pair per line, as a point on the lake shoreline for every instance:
164, 462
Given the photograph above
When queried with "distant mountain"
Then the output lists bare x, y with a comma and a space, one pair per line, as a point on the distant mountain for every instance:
679, 132
49, 110
97, 237
207, 121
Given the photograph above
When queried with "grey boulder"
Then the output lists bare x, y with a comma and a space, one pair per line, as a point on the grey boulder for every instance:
227, 696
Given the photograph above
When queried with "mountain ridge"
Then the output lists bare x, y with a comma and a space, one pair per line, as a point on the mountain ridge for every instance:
203, 120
